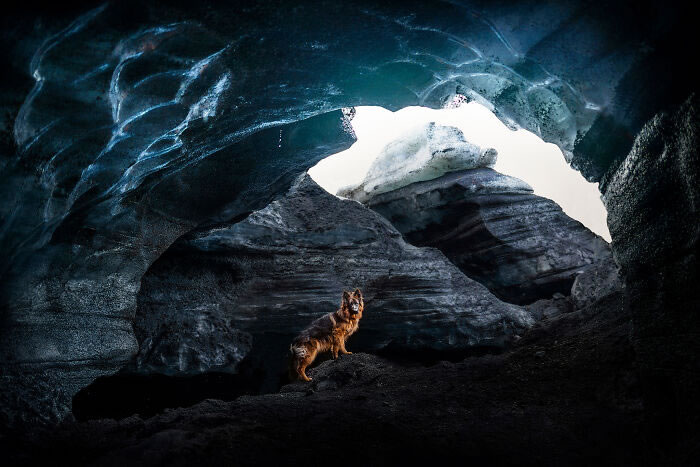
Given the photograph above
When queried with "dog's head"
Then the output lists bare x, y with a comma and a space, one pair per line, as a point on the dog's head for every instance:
353, 303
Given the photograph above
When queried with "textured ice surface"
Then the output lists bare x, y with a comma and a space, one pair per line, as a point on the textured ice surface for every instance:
420, 153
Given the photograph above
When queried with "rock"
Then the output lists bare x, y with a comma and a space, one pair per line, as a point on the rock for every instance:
195, 342
597, 281
348, 372
653, 203
422, 153
549, 308
521, 246
271, 274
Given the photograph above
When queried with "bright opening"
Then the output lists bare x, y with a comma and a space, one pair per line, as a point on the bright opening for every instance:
521, 154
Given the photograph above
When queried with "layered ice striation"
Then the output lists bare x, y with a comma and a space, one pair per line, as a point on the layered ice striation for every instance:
422, 153
497, 231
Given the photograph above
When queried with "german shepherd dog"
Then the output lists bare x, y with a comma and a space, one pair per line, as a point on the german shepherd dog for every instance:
329, 332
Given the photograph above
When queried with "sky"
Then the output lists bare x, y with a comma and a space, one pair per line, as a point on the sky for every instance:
521, 154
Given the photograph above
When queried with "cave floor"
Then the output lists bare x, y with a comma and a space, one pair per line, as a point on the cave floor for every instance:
565, 394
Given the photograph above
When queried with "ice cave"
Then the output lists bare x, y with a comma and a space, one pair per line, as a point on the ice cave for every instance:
513, 186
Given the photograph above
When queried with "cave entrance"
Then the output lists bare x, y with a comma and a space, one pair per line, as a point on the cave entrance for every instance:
382, 134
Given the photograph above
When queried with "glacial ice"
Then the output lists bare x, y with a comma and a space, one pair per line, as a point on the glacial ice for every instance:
144, 123
421, 153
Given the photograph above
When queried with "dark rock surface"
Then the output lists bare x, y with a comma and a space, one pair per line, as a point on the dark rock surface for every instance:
595, 282
521, 246
567, 394
244, 290
550, 307
653, 206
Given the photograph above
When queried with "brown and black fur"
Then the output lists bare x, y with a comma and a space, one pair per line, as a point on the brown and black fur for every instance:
329, 332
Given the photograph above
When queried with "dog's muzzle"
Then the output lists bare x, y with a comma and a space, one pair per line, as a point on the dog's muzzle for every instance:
355, 307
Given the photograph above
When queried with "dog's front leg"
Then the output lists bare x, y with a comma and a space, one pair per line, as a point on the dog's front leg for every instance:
343, 350
337, 344
334, 350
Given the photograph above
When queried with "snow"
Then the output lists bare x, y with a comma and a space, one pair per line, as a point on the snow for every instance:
423, 152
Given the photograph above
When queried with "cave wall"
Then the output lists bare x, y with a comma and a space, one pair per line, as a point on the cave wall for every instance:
140, 122
653, 203
521, 246
236, 294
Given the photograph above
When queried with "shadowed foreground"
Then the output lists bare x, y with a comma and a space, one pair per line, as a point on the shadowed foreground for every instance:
566, 394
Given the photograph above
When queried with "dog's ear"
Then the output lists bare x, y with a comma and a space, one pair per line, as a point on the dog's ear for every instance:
358, 293
346, 298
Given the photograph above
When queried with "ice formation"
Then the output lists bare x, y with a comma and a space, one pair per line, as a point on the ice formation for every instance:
395, 149
423, 152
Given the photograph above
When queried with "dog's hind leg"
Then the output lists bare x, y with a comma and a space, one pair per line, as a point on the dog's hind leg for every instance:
304, 361
302, 371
